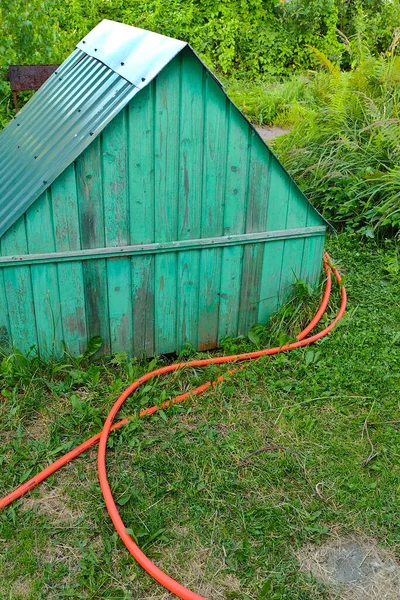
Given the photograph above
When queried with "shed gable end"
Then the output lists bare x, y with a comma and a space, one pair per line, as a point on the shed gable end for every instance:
178, 163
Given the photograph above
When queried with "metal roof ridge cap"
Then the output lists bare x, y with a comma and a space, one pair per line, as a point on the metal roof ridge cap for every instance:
137, 55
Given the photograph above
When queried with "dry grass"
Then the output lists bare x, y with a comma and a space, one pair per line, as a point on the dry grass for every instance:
204, 571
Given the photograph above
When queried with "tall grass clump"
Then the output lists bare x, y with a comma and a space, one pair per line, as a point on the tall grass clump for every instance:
280, 103
345, 151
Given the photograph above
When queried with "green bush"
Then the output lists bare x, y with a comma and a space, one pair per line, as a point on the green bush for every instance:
252, 37
249, 38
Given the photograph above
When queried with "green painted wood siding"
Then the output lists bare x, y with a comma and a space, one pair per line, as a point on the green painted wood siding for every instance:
178, 163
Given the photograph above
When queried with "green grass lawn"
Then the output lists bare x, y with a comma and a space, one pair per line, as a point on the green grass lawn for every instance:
223, 521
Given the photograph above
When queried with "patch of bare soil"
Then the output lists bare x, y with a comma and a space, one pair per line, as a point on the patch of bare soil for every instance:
355, 567
269, 133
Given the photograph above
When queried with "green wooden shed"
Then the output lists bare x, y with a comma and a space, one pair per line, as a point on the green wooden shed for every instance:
137, 203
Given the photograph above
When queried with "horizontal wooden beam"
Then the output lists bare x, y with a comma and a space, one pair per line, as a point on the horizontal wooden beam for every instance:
156, 248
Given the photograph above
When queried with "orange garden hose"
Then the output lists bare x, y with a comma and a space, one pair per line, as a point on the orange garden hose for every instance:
102, 437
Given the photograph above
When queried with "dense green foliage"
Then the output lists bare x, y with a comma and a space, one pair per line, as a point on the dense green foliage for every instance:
254, 37
249, 38
227, 528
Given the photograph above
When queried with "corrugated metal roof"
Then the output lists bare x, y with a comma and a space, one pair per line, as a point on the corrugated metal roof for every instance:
72, 107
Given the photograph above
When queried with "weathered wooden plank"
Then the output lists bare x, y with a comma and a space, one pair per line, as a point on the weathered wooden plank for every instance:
114, 149
237, 172
90, 196
214, 173
234, 221
277, 209
5, 329
298, 209
258, 186
312, 264
65, 211
189, 196
142, 133
214, 158
18, 290
273, 253
190, 148
313, 252
143, 305
45, 286
165, 303
256, 218
187, 298
91, 213
96, 302
231, 280
166, 168
270, 278
116, 222
141, 212
291, 268
120, 304
250, 291
209, 296
316, 257
166, 154
293, 249
70, 274
313, 218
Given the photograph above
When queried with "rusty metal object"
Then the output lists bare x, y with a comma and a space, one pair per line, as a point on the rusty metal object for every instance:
28, 77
